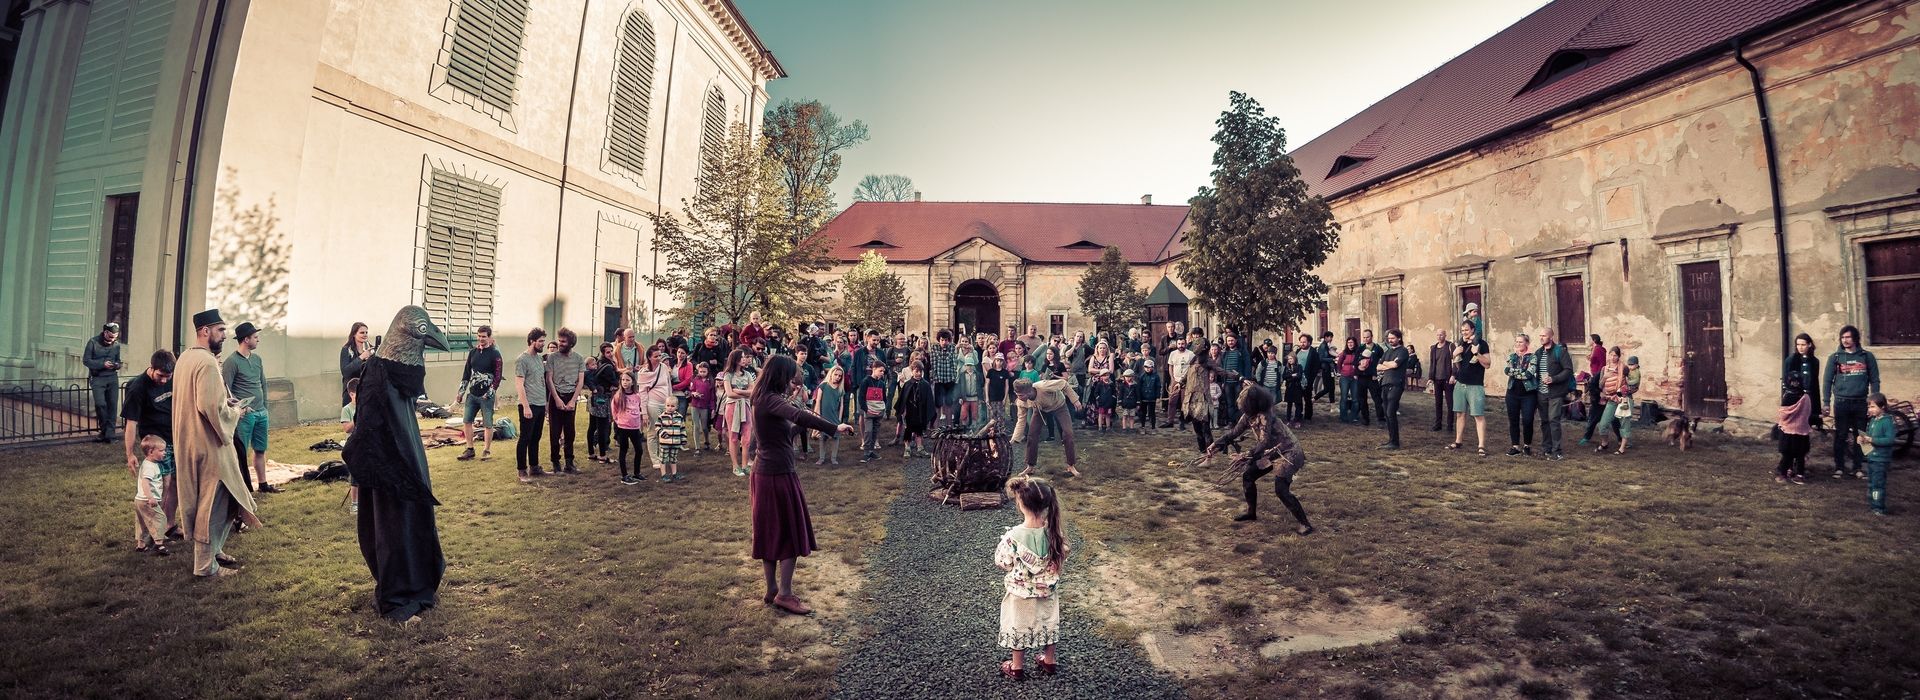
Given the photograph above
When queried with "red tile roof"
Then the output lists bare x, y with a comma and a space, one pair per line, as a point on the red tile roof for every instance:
1479, 95
1038, 232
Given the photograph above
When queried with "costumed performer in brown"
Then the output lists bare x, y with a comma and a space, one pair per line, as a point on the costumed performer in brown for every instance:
213, 492
1276, 446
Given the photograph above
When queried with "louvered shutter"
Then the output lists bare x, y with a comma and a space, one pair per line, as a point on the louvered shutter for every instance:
632, 92
713, 135
485, 59
463, 218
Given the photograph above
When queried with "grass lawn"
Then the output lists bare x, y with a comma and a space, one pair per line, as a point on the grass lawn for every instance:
574, 586
1656, 574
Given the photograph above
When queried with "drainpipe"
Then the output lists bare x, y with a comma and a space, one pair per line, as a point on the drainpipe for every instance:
566, 147
193, 175
1773, 182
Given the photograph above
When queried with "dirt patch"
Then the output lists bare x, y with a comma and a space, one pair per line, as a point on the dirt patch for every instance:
1215, 626
1356, 624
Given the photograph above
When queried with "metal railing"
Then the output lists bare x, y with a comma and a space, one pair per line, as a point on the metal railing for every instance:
39, 410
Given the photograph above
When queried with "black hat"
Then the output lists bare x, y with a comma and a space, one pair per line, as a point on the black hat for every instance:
210, 317
245, 329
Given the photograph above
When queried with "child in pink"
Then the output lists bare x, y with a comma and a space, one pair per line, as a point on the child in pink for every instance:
629, 415
702, 389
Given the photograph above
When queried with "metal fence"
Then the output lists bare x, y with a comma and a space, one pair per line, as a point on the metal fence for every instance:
39, 410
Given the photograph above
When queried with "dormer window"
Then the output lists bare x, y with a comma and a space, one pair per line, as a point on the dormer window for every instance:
1083, 244
1564, 63
1345, 163
877, 243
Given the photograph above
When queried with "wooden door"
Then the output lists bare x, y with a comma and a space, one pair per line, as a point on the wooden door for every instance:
122, 212
1323, 320
1353, 331
1704, 377
1389, 312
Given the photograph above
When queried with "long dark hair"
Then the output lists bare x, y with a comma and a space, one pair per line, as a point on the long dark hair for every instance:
1036, 494
1811, 347
777, 378
354, 331
733, 361
1255, 400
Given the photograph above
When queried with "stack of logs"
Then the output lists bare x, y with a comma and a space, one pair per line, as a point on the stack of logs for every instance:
970, 467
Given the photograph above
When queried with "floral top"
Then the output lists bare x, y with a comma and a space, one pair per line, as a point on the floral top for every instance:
1023, 555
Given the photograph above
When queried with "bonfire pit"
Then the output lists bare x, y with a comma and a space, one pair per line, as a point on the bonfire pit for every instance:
970, 467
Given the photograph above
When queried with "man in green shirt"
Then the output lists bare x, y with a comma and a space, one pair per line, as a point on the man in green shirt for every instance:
246, 378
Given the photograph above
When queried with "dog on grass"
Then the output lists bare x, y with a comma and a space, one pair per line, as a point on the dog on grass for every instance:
1679, 429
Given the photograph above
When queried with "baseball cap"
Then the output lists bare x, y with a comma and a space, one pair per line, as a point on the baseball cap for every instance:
111, 326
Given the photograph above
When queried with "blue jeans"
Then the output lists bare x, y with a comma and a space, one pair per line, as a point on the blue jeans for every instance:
1877, 484
1348, 387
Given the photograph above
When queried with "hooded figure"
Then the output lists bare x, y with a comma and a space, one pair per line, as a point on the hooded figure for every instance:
398, 537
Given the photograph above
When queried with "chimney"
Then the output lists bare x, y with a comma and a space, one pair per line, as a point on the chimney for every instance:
916, 195
1146, 199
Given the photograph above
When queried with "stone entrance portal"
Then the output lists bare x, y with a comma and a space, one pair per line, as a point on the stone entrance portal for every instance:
976, 306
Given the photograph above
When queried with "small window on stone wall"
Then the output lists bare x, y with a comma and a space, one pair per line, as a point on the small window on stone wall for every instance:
1893, 281
1056, 324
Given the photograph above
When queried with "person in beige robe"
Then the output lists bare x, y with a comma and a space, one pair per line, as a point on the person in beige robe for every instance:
213, 492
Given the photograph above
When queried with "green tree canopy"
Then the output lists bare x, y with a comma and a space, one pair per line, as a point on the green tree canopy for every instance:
1257, 234
1107, 292
875, 297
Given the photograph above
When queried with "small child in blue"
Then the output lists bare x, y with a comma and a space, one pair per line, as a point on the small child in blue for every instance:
1032, 554
149, 525
1879, 438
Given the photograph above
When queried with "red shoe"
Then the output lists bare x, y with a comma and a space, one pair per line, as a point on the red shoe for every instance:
1008, 671
1048, 668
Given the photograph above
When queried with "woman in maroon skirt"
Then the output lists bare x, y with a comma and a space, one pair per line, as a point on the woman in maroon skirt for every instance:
782, 531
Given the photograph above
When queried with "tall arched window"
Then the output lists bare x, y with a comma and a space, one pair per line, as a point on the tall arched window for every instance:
632, 95
713, 133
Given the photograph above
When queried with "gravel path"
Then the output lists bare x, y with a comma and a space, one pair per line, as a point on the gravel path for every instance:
932, 606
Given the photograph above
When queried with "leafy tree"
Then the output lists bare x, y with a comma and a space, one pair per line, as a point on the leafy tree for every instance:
250, 280
722, 251
1257, 235
875, 297
1107, 292
883, 188
802, 141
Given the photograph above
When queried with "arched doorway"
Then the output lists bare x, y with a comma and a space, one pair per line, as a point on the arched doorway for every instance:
976, 305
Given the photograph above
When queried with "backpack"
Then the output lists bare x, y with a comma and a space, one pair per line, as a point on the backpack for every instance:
330, 470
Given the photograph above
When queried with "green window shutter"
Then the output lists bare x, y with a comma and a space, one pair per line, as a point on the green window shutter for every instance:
713, 135
463, 222
485, 59
632, 92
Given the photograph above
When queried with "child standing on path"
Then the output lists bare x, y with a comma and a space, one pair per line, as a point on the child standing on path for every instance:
1102, 398
829, 401
1879, 438
1796, 410
1149, 397
1032, 554
1129, 399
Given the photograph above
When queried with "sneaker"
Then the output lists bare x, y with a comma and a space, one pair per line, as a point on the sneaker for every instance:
628, 480
465, 455
536, 471
1555, 457
570, 468
639, 478
1862, 475
1838, 474
1798, 480
1527, 449
1513, 451
1778, 479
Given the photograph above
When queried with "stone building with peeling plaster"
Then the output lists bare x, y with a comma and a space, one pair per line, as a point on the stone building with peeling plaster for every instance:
1602, 167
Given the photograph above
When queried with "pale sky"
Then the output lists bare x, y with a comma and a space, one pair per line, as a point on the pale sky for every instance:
1094, 100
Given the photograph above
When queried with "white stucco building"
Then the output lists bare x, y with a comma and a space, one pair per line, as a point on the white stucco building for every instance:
491, 160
